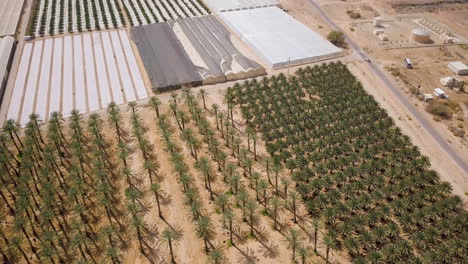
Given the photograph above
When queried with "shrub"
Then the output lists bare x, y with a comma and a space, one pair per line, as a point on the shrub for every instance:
439, 109
337, 38
353, 14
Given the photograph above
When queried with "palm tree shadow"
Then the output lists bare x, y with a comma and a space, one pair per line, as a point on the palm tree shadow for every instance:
152, 231
166, 199
240, 235
246, 257
269, 250
262, 234
283, 225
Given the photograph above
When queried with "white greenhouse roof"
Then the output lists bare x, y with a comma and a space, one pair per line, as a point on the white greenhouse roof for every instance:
84, 72
6, 47
231, 5
10, 11
278, 38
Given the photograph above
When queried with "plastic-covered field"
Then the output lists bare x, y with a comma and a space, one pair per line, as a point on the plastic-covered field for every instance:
200, 51
10, 12
231, 5
84, 72
278, 38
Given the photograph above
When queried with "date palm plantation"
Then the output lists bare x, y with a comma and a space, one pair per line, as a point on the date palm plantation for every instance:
306, 169
373, 190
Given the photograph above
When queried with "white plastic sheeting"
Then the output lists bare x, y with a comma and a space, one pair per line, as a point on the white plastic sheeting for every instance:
231, 5
7, 46
10, 12
278, 38
83, 72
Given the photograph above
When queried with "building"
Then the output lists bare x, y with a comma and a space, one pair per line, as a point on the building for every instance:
377, 22
7, 46
458, 67
420, 35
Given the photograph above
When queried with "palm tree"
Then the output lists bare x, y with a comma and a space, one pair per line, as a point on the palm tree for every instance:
303, 252
330, 244
12, 129
316, 225
292, 238
293, 197
155, 103
251, 207
275, 204
203, 164
202, 94
170, 237
222, 201
215, 108
205, 230
229, 217
156, 189
216, 256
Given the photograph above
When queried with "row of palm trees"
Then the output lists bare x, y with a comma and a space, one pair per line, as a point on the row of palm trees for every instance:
56, 189
371, 187
202, 220
266, 193
69, 195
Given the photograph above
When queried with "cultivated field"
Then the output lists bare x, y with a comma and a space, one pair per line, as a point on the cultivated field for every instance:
365, 181
314, 170
143, 12
84, 72
54, 17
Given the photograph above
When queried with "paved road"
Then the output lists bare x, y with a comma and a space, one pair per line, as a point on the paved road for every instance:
378, 72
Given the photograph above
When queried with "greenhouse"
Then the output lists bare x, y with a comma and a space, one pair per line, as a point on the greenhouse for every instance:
278, 38
223, 5
7, 46
200, 51
10, 11
84, 72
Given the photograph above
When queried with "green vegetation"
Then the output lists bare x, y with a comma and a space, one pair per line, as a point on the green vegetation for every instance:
337, 38
370, 187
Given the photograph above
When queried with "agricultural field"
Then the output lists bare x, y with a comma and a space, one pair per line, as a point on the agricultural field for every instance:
142, 12
370, 187
298, 179
152, 184
84, 72
53, 17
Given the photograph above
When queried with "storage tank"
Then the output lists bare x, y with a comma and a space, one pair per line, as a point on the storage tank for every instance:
420, 35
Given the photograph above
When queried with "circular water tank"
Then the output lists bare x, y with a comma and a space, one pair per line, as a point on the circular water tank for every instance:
420, 35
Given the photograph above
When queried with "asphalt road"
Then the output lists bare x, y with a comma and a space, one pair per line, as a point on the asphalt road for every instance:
378, 72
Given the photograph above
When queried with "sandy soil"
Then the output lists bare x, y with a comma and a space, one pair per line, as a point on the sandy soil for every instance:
190, 248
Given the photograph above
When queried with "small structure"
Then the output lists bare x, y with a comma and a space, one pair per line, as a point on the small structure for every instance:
378, 32
377, 22
440, 93
383, 37
420, 35
428, 97
458, 67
